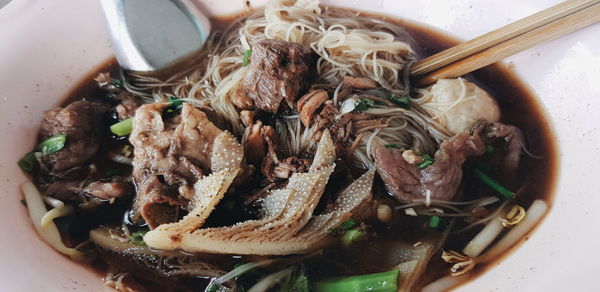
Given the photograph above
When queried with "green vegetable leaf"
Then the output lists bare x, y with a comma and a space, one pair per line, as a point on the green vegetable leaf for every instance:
401, 101
122, 128
52, 144
393, 146
378, 282
246, 60
364, 104
28, 162
138, 237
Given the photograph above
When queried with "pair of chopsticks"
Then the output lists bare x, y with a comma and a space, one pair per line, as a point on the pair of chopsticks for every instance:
508, 40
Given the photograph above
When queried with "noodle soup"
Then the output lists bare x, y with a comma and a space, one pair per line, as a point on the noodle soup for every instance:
294, 156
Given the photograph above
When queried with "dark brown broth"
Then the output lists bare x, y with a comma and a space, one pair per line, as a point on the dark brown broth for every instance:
519, 107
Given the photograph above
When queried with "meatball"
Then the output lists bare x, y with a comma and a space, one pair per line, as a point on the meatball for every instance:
457, 104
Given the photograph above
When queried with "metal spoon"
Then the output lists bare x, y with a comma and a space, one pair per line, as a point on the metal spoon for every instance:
151, 35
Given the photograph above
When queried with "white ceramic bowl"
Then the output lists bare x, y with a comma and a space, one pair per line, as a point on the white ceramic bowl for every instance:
46, 47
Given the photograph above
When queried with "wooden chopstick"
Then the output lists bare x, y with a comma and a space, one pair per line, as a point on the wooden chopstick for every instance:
546, 25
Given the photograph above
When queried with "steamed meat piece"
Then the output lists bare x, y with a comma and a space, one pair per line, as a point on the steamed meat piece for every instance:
82, 123
171, 155
457, 104
278, 70
441, 179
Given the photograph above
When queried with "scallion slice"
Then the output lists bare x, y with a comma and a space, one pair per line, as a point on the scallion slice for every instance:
352, 236
350, 223
122, 128
490, 182
426, 162
363, 104
28, 162
246, 60
401, 101
117, 82
52, 144
434, 221
138, 237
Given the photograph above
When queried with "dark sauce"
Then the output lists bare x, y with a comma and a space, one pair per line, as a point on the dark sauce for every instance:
518, 105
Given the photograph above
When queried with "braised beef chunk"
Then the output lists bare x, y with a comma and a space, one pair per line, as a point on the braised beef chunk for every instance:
86, 194
258, 139
63, 189
441, 179
126, 109
278, 70
309, 104
82, 123
106, 190
169, 157
285, 168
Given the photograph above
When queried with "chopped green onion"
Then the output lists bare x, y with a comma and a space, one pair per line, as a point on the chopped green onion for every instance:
378, 282
117, 82
350, 223
28, 162
176, 102
489, 149
393, 146
490, 182
52, 144
483, 166
175, 105
246, 60
138, 237
426, 162
112, 172
363, 104
122, 128
434, 221
352, 236
401, 101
